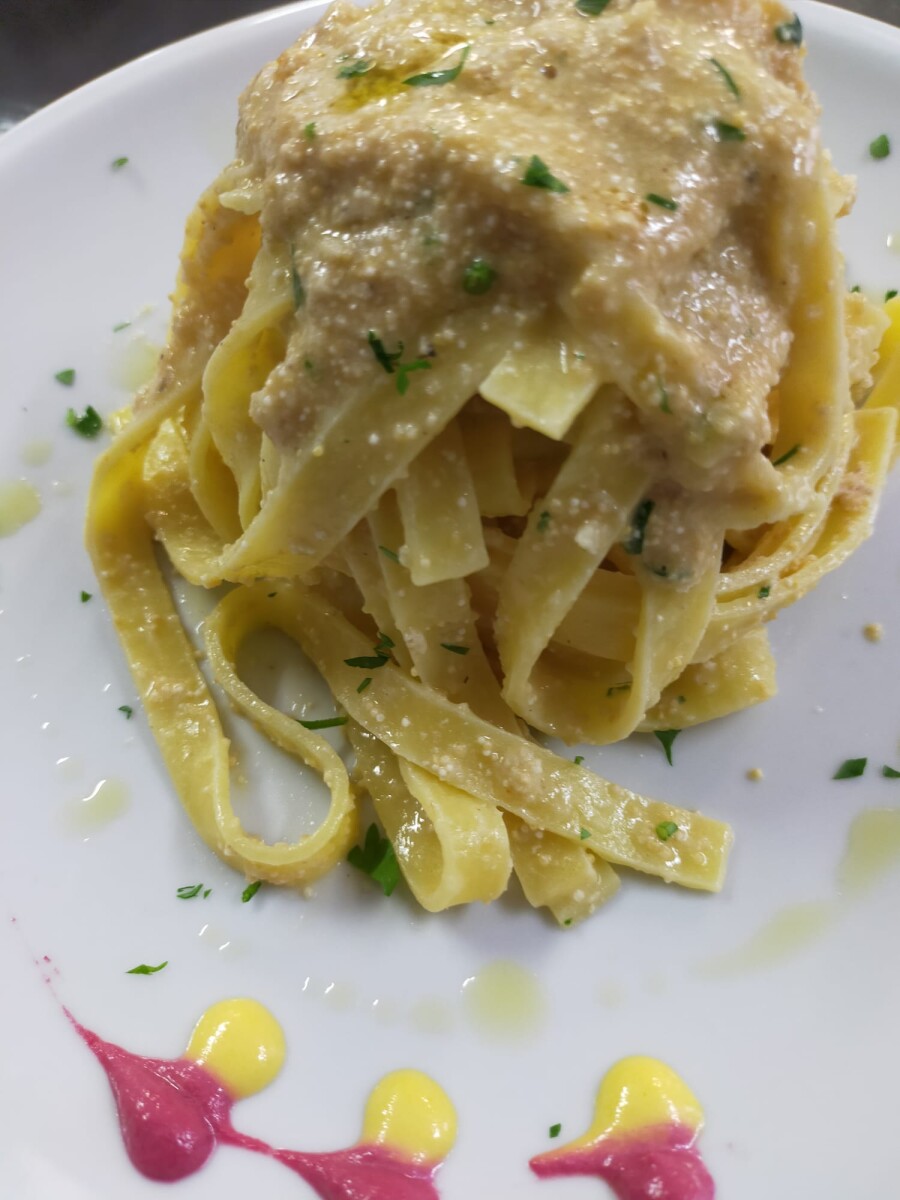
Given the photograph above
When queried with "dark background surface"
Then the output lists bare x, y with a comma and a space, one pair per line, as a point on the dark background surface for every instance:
49, 47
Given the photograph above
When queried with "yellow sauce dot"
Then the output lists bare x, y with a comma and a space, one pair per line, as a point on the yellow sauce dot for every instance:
638, 1093
754, 774
873, 632
241, 1043
409, 1112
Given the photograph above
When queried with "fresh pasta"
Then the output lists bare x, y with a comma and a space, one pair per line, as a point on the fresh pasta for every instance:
520, 403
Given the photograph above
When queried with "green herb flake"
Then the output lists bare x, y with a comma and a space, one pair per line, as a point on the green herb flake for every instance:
664, 405
726, 76
789, 33
584, 834
354, 70
579, 759
121, 325
376, 858
206, 893
66, 378
439, 78
556, 1130
543, 523
309, 131
250, 891
538, 175
591, 8
634, 543
367, 662
787, 456
88, 424
325, 723
890, 772
118, 163
297, 291
665, 830
723, 131
890, 295
384, 642
880, 147
391, 554
127, 710
850, 768
143, 969
567, 922
454, 649
763, 592
85, 596
365, 683
189, 891
618, 687
478, 277
662, 201
666, 738
405, 369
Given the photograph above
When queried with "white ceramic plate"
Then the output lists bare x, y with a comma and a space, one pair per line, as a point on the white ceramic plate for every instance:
796, 1059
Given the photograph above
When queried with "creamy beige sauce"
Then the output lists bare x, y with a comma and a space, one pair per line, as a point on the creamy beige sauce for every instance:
386, 192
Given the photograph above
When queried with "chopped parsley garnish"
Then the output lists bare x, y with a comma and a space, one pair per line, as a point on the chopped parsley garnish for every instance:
454, 649
367, 662
353, 70
890, 772
376, 858
790, 32
118, 163
890, 295
591, 8
389, 359
310, 130
665, 830
384, 642
538, 175
787, 456
763, 592
584, 834
555, 1130
365, 683
579, 759
88, 424
543, 522
855, 288
664, 405
296, 284
727, 76
121, 325
567, 922
478, 277
325, 723
618, 687
439, 78
634, 543
143, 969
662, 201
206, 893
880, 147
189, 891
391, 554
85, 596
850, 768
666, 738
723, 131
127, 710
250, 891
66, 378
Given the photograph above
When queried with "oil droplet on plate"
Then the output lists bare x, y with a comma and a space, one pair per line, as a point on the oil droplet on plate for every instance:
873, 849
36, 454
340, 996
431, 1015
19, 504
135, 365
504, 1000
104, 804
893, 242
787, 933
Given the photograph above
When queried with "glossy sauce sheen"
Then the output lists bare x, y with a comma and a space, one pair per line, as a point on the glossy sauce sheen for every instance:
174, 1112
642, 1139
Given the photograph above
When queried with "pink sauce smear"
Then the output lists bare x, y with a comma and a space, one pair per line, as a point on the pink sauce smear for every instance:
660, 1163
174, 1112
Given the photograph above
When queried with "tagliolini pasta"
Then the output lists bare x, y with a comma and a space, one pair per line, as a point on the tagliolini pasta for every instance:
511, 374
